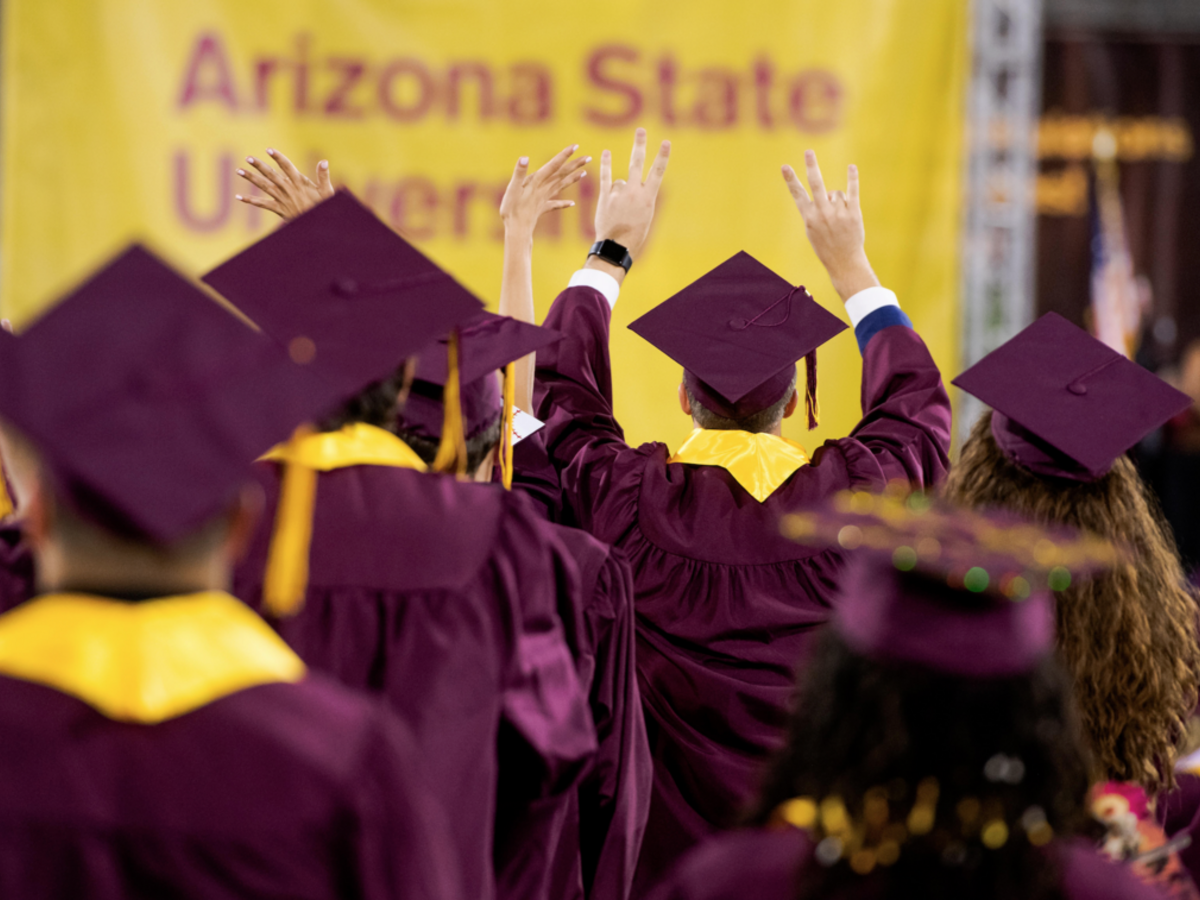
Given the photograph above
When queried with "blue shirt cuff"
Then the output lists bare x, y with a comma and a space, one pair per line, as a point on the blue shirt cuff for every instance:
884, 317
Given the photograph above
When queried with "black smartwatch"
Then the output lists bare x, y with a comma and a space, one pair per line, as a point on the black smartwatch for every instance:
612, 252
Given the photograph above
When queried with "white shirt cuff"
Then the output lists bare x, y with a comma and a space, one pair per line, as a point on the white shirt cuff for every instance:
601, 281
867, 301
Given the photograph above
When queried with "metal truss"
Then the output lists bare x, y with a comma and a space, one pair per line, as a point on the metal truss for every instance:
998, 242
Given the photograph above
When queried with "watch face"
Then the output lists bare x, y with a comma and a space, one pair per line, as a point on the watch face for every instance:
612, 252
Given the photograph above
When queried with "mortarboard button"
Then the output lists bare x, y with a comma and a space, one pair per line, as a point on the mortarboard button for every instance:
345, 294
1065, 404
721, 330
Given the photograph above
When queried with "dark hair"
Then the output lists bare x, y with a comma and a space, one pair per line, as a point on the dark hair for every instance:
757, 423
867, 731
478, 446
1128, 637
374, 405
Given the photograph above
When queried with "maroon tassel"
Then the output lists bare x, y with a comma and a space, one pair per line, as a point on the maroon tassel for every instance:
810, 390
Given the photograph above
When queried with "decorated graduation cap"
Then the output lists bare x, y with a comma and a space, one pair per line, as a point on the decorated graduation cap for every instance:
949, 589
344, 294
1065, 404
148, 400
738, 331
486, 344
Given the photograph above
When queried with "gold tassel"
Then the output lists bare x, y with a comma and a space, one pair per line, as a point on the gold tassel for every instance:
506, 425
286, 578
452, 451
812, 406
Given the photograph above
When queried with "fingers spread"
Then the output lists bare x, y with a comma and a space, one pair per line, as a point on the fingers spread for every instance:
324, 183
659, 168
289, 170
567, 180
559, 204
796, 188
605, 171
815, 182
252, 176
575, 165
556, 162
519, 170
267, 172
637, 159
262, 202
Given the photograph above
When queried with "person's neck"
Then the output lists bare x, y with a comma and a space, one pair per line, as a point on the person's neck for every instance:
776, 430
130, 579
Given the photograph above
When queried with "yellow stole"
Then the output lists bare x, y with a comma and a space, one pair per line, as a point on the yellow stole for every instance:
147, 661
357, 444
759, 462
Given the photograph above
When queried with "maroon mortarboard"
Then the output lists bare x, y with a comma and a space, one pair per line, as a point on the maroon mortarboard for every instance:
946, 588
345, 294
148, 400
486, 343
1065, 404
738, 331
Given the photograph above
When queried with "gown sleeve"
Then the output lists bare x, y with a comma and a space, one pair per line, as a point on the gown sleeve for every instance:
544, 701
905, 426
598, 472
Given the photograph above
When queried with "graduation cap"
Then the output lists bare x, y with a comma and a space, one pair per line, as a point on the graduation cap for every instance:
738, 331
148, 401
1066, 404
346, 295
947, 588
485, 344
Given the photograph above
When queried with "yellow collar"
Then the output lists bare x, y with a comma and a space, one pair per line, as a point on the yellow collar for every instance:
759, 462
147, 661
356, 444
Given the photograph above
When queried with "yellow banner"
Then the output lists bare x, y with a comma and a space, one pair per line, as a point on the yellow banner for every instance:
127, 118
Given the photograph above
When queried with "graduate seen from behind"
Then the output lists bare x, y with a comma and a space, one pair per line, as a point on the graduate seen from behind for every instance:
934, 749
159, 739
725, 605
1065, 409
395, 576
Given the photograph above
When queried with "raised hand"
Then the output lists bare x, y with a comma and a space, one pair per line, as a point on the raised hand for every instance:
625, 209
288, 192
834, 224
525, 200
528, 197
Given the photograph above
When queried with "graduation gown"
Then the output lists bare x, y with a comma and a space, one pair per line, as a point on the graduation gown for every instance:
589, 846
725, 605
442, 597
177, 748
767, 865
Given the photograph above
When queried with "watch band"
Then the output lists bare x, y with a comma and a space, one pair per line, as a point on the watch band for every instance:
612, 252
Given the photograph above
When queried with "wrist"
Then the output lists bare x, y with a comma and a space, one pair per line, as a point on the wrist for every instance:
595, 262
853, 276
519, 232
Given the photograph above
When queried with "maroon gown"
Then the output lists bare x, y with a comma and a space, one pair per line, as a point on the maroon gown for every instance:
767, 865
590, 847
725, 605
442, 596
301, 790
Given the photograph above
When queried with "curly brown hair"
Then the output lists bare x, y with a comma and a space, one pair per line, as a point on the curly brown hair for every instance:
1129, 637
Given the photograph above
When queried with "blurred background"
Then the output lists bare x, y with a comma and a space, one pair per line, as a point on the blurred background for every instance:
1017, 156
